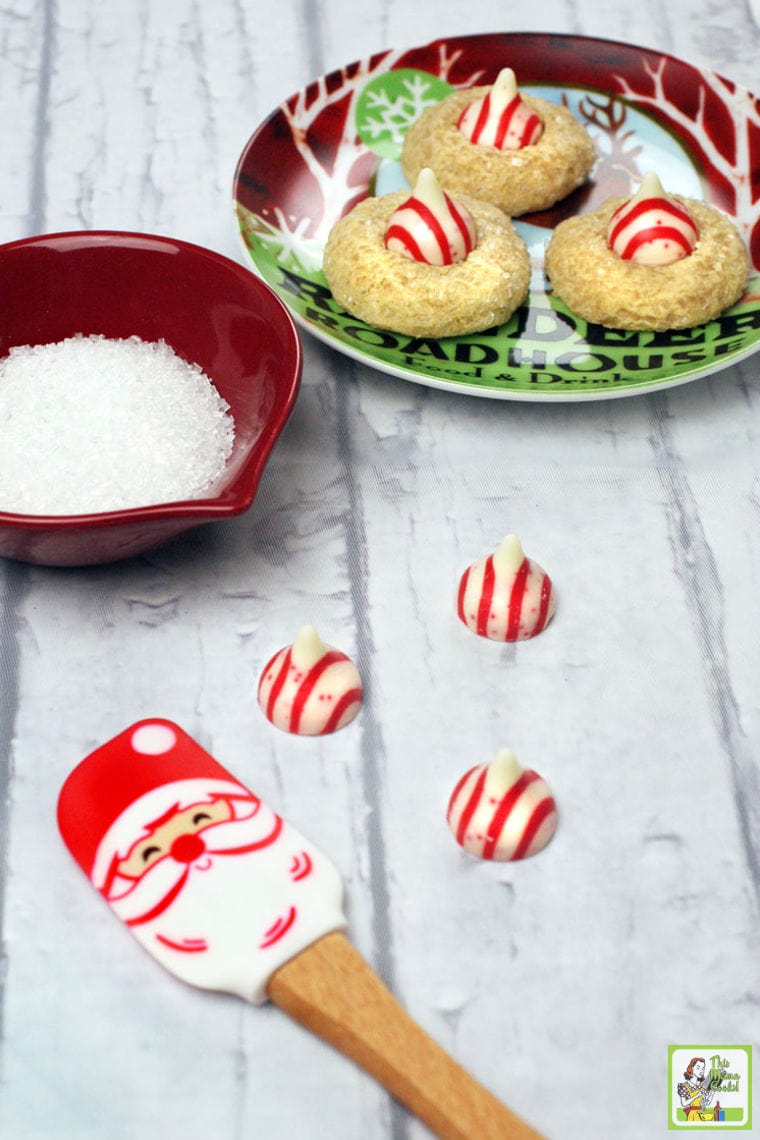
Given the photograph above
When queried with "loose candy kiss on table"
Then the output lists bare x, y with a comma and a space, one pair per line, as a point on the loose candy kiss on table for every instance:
310, 688
506, 596
502, 811
227, 896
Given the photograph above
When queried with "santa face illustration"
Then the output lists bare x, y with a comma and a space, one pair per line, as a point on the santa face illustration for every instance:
212, 874
211, 881
176, 836
199, 827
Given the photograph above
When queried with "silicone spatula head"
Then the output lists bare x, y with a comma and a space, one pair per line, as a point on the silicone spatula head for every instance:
215, 885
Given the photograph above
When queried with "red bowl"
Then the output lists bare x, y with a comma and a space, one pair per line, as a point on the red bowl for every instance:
210, 310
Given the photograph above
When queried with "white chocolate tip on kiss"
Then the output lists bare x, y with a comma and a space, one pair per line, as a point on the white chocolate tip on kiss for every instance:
308, 647
504, 770
509, 554
428, 189
506, 81
650, 186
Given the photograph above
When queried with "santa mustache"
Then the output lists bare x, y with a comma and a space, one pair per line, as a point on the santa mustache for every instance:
141, 901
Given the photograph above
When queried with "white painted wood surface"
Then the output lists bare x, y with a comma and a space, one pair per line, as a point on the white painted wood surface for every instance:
558, 982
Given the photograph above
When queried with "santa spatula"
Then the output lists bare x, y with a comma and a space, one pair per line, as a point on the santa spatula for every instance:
228, 896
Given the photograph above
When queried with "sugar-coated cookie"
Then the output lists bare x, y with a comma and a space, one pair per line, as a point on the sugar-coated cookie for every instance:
597, 283
389, 290
520, 179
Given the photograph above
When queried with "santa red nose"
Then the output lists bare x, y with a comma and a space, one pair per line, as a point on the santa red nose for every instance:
187, 848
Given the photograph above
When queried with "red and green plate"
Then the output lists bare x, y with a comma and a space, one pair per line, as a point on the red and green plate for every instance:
339, 139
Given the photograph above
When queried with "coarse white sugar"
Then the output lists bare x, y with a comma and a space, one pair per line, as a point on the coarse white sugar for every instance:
92, 424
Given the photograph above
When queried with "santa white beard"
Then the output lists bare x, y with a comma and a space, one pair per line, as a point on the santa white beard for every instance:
228, 919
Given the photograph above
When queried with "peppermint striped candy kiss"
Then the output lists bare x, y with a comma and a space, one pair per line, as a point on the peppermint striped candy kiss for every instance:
502, 811
310, 688
506, 596
501, 119
430, 227
652, 228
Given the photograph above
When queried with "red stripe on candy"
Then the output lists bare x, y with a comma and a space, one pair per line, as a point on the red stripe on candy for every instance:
543, 608
404, 235
543, 810
505, 119
471, 805
628, 213
501, 814
401, 234
437, 230
532, 123
460, 224
353, 696
307, 685
631, 211
516, 599
486, 596
278, 683
655, 233
482, 119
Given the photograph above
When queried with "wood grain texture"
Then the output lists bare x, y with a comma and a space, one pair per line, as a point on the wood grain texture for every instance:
333, 992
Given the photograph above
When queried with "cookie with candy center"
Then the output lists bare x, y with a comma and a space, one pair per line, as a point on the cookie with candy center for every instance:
648, 262
520, 152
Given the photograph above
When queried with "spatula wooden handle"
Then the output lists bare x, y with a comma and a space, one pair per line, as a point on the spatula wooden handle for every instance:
331, 990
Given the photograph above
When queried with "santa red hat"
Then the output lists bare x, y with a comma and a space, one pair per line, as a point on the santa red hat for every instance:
151, 758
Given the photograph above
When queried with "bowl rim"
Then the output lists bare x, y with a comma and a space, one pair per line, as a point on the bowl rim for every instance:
223, 505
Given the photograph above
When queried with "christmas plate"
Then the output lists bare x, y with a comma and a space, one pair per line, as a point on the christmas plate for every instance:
339, 140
